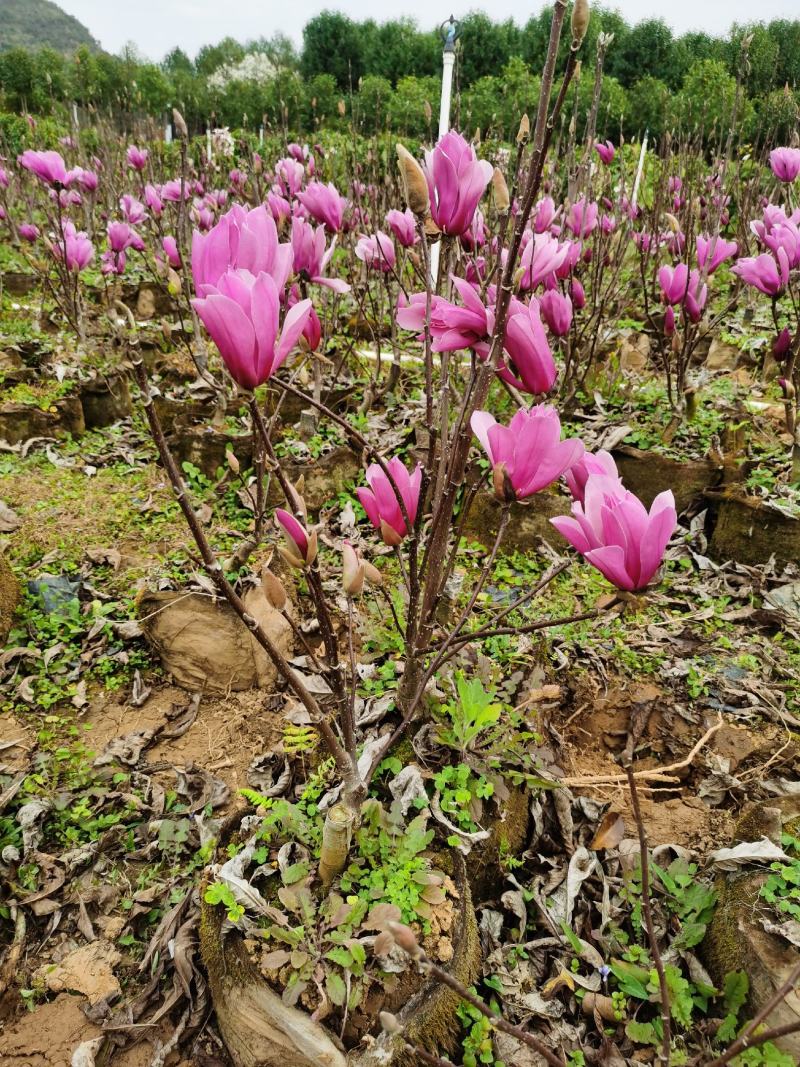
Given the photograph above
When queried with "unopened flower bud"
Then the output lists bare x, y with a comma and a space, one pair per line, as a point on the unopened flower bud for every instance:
179, 123
372, 574
580, 21
353, 571
232, 461
524, 131
174, 283
501, 483
782, 343
390, 1023
500, 190
787, 388
415, 186
273, 589
405, 939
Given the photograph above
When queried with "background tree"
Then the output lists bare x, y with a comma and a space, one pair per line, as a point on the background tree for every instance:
332, 44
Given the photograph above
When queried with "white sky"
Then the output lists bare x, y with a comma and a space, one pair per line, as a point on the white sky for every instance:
156, 26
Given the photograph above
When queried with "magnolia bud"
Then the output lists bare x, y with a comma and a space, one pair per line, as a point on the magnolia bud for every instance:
390, 1023
415, 187
352, 571
174, 283
580, 21
179, 123
405, 939
500, 190
787, 388
524, 131
390, 535
503, 489
232, 461
273, 589
372, 574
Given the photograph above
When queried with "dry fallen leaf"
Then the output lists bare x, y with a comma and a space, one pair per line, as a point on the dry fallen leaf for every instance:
610, 831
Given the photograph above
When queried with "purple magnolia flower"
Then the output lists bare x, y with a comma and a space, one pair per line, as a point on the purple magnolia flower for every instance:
49, 167
137, 157
696, 296
606, 151
380, 500
711, 253
289, 175
403, 225
528, 454
582, 217
174, 190
242, 315
376, 251
784, 235
242, 239
453, 326
781, 345
785, 163
764, 273
457, 180
28, 231
76, 249
170, 248
541, 257
152, 197
121, 237
301, 546
4, 179
279, 207
673, 282
577, 476
544, 214
529, 360
556, 310
132, 209
324, 204
310, 257
614, 532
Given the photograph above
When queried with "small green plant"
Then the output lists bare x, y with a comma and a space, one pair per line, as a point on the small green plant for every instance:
462, 793
219, 893
473, 714
782, 887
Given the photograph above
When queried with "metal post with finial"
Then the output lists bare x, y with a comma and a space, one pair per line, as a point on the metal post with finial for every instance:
449, 31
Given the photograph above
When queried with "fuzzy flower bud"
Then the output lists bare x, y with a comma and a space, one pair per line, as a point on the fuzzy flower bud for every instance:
353, 571
524, 131
273, 589
580, 21
415, 186
500, 189
179, 123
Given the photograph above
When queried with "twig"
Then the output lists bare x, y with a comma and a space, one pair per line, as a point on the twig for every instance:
648, 922
662, 775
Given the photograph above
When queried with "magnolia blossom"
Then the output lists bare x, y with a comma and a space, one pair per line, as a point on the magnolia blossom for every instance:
606, 151
530, 360
673, 282
590, 463
137, 157
241, 240
380, 501
711, 252
612, 530
28, 231
289, 175
544, 214
301, 545
310, 258
175, 190
764, 273
785, 163
279, 207
242, 315
582, 217
376, 251
556, 311
153, 200
48, 167
528, 454
75, 248
453, 326
132, 209
324, 204
403, 225
540, 259
170, 248
457, 180
696, 296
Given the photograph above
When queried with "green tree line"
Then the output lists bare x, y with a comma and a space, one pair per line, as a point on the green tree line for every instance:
386, 76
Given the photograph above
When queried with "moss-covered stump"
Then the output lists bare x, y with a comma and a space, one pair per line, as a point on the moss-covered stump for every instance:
323, 478
737, 941
18, 282
530, 520
105, 400
259, 1030
206, 448
647, 474
750, 531
508, 836
9, 597
19, 422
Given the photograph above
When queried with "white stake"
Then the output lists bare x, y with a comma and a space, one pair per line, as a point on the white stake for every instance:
639, 170
448, 62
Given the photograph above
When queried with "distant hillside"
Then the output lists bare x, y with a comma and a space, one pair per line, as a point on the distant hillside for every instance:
36, 23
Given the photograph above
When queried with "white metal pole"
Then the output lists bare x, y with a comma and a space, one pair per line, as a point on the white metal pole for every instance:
639, 170
209, 151
448, 62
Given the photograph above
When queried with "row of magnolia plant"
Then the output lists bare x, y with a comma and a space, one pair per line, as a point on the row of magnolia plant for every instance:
510, 282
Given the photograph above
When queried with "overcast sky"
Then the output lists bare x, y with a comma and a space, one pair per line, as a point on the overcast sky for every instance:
157, 26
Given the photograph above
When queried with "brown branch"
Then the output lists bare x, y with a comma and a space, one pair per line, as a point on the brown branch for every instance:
648, 921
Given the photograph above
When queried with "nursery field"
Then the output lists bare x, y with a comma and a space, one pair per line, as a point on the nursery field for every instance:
400, 599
